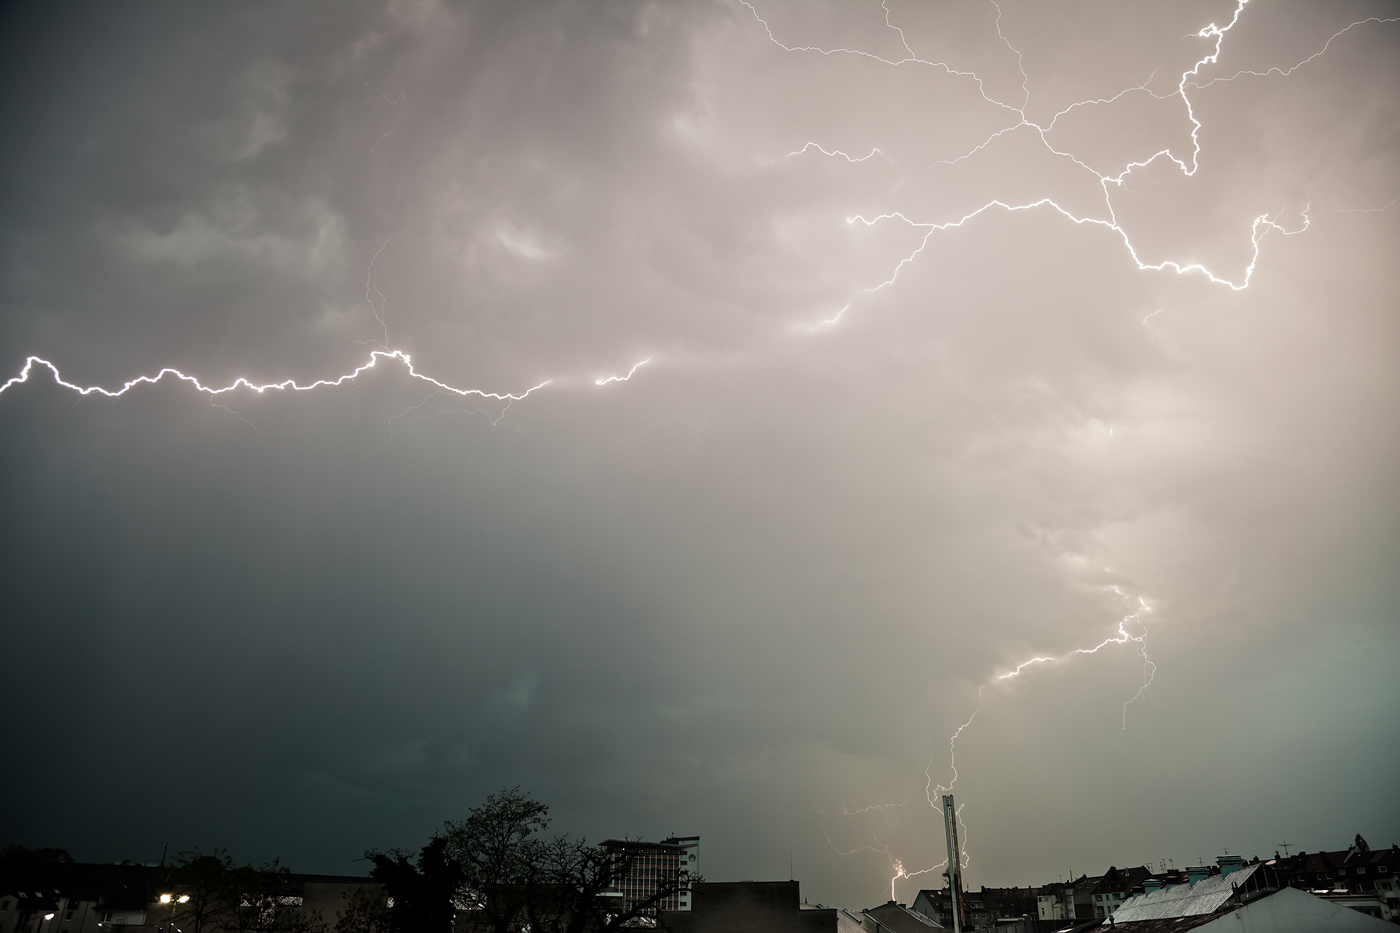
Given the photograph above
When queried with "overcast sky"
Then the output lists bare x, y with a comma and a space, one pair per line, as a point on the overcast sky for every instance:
753, 589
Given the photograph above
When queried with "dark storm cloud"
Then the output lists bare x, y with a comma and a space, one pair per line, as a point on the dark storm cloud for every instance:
759, 584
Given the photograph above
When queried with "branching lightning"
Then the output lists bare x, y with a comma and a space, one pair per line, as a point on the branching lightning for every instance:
932, 790
1131, 629
1122, 638
1188, 166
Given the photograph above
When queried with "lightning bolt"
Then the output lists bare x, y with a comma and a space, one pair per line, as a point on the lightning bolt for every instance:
1260, 226
372, 291
1122, 638
242, 383
933, 790
837, 152
630, 372
1131, 629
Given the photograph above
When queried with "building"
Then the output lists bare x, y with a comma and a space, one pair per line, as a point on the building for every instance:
1359, 878
896, 918
984, 909
1055, 901
641, 870
935, 904
1111, 888
759, 907
1241, 898
76, 897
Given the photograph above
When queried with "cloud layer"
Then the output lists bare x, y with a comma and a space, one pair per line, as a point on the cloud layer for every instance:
754, 588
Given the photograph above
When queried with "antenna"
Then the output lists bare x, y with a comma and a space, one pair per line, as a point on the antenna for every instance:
1284, 846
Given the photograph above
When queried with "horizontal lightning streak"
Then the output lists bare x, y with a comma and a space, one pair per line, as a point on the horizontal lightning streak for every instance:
874, 151
241, 382
1261, 226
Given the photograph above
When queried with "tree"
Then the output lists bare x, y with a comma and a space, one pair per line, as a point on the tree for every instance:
210, 893
19, 858
493, 873
262, 900
422, 895
199, 890
498, 857
365, 912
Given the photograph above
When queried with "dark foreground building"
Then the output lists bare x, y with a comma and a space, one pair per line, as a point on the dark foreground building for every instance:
757, 907
77, 897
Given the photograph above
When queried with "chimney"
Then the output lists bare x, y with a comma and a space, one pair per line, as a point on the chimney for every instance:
1229, 863
1197, 873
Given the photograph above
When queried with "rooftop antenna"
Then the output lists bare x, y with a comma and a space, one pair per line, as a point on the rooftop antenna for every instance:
1284, 846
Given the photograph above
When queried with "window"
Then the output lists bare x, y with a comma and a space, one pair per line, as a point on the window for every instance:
1361, 871
1341, 872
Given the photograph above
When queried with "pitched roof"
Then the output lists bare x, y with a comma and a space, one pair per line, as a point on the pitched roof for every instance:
1183, 900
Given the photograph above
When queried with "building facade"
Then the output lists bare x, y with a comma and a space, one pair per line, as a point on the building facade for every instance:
644, 869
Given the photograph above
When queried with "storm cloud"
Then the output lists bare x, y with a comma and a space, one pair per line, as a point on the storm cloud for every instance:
754, 588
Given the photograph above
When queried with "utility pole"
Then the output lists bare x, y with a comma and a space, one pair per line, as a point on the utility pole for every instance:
950, 826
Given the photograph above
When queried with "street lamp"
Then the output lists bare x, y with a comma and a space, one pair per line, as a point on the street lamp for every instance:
172, 900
